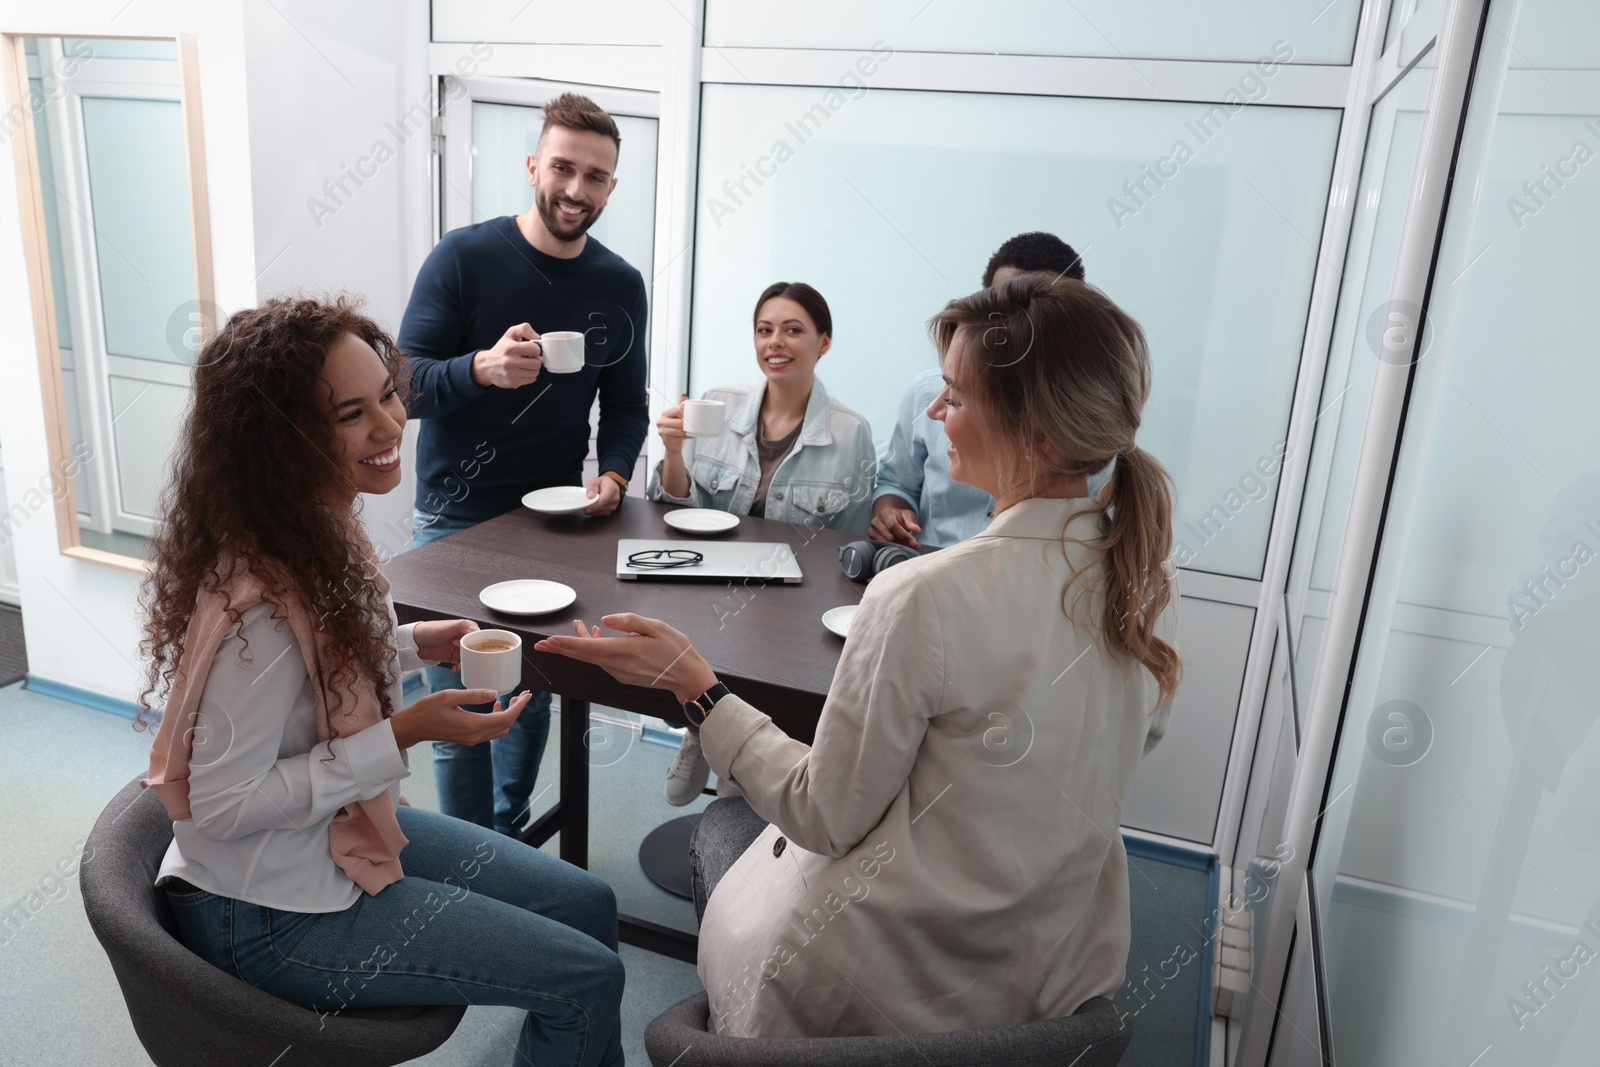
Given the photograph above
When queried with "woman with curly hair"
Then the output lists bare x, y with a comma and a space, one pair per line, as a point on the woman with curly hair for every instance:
275, 654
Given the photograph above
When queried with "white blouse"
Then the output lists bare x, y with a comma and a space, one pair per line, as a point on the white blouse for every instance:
262, 788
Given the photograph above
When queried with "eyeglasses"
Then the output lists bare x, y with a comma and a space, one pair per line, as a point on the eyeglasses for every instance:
662, 559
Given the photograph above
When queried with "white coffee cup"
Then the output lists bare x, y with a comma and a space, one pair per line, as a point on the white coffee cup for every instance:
500, 669
563, 351
702, 418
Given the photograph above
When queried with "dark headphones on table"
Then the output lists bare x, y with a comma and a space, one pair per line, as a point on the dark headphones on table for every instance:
864, 560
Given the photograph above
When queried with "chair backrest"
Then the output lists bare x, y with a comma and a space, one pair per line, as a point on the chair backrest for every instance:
186, 1011
1094, 1036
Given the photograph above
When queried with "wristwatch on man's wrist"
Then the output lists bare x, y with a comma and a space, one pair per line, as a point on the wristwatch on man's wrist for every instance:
619, 479
697, 709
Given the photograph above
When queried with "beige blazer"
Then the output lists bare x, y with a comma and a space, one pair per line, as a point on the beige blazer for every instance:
947, 854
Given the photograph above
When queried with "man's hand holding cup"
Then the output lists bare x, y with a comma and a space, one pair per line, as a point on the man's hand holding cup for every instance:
514, 361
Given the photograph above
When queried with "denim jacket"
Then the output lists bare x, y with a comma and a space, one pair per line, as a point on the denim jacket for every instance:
826, 479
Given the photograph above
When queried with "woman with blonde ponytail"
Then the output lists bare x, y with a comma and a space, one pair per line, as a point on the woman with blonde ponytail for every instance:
944, 855
1056, 376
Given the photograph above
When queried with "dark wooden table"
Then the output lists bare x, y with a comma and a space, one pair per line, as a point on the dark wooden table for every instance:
766, 642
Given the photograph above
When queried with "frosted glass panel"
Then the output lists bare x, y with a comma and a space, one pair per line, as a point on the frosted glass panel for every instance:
49, 188
891, 204
120, 48
1464, 924
504, 134
1243, 30
138, 185
625, 22
1551, 36
146, 417
1178, 787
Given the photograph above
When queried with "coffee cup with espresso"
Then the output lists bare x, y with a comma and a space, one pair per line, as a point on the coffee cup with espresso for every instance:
563, 351
491, 659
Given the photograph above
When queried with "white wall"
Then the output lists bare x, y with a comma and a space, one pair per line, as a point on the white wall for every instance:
81, 618
339, 161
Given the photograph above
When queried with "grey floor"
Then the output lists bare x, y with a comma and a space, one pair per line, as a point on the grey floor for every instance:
59, 1003
1169, 909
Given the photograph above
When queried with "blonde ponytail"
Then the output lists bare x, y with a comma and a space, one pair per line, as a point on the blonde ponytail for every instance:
1138, 582
1054, 361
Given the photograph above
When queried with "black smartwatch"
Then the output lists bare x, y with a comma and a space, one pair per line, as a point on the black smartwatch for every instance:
697, 709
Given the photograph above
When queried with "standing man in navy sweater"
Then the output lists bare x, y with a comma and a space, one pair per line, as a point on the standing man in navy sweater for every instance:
495, 424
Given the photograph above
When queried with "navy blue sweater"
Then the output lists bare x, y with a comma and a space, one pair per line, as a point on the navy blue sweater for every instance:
480, 449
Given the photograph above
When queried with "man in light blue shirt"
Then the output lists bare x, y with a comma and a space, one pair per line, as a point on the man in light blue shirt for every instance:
915, 493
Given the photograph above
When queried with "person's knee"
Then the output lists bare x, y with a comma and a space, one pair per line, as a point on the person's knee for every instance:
614, 976
725, 819
605, 901
594, 907
600, 900
592, 979
605, 984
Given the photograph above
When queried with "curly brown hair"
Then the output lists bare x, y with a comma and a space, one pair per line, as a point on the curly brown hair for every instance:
250, 481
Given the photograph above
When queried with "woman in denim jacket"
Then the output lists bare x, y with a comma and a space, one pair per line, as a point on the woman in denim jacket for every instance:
788, 451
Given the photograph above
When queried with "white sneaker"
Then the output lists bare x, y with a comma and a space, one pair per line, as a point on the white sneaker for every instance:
689, 772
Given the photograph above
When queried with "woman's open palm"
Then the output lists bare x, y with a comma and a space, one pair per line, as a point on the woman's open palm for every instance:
440, 717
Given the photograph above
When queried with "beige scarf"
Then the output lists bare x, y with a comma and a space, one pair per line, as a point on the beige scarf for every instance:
364, 837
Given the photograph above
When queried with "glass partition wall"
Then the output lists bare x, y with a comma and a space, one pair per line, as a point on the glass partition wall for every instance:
1457, 867
1275, 191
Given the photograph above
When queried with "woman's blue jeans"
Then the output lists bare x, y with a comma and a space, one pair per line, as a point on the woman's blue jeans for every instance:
477, 919
490, 783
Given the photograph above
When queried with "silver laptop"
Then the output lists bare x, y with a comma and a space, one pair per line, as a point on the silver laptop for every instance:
766, 560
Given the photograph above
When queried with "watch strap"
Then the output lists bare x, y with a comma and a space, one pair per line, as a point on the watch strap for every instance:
706, 701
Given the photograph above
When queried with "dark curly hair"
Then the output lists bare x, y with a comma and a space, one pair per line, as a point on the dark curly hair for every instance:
1035, 251
250, 481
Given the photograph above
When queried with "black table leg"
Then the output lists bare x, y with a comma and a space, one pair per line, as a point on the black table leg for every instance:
662, 940
575, 781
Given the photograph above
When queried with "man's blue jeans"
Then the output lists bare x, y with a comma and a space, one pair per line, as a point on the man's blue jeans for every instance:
477, 919
488, 784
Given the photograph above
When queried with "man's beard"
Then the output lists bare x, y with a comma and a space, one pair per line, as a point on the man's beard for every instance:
560, 228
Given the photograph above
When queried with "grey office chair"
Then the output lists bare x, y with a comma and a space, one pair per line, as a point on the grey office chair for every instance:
1092, 1037
191, 1014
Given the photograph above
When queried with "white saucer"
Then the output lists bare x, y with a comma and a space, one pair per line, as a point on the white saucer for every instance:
559, 500
701, 520
528, 596
838, 619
